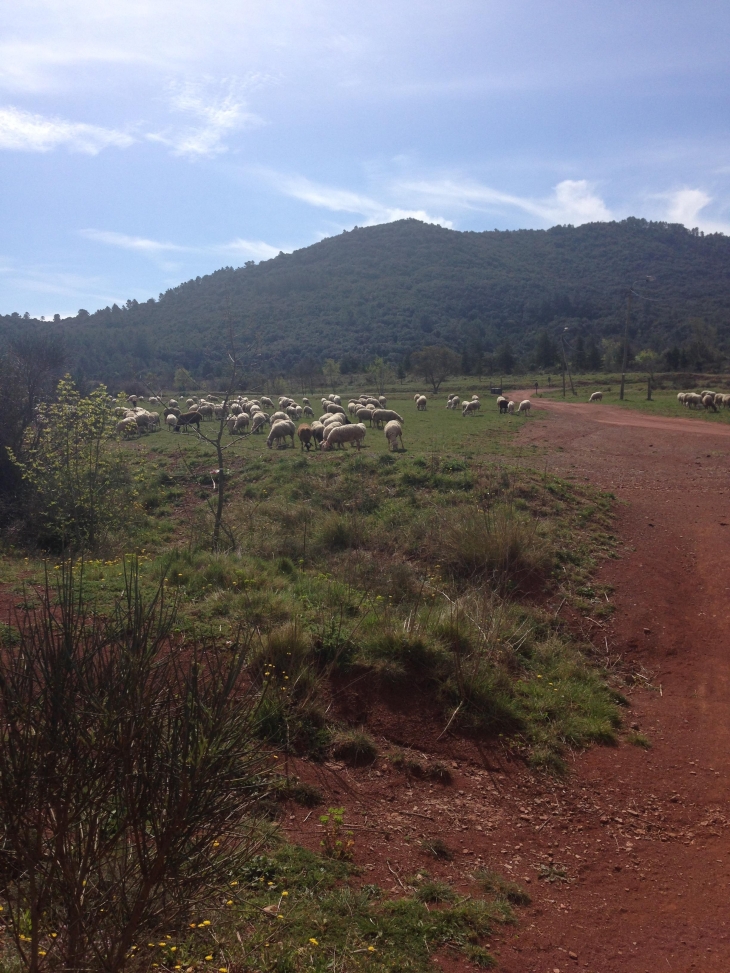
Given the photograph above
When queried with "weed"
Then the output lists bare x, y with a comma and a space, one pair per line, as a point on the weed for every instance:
493, 882
337, 841
355, 747
638, 740
437, 848
435, 891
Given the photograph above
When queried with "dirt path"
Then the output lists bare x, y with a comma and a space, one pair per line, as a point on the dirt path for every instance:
646, 835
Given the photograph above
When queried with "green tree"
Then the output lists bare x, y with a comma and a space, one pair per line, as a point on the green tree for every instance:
546, 351
183, 380
436, 363
331, 372
380, 373
76, 484
594, 360
505, 358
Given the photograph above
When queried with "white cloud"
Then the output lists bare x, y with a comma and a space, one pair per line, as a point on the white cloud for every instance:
22, 131
572, 201
217, 113
686, 205
238, 248
345, 201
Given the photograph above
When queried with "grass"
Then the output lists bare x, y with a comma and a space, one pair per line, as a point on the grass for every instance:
429, 565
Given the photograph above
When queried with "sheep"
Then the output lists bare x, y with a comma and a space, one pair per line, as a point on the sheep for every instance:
469, 408
474, 401
455, 402
205, 411
334, 407
331, 397
351, 406
318, 431
449, 401
172, 402
365, 415
421, 403
280, 430
524, 406
279, 417
719, 397
416, 397
127, 427
596, 397
382, 401
726, 401
231, 423
258, 421
305, 400
171, 420
242, 423
235, 409
188, 419
681, 396
511, 407
393, 432
291, 411
693, 400
339, 435
308, 410
708, 401
132, 399
265, 400
502, 405
155, 400
189, 402
369, 400
304, 432
337, 400
385, 415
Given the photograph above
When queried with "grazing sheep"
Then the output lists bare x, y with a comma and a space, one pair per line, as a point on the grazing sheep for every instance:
596, 397
171, 420
334, 407
127, 427
455, 402
337, 400
693, 400
318, 431
173, 402
280, 430
371, 401
305, 400
265, 400
726, 401
291, 411
393, 432
382, 401
304, 432
469, 408
351, 406
510, 407
279, 417
719, 398
708, 401
524, 406
308, 410
258, 421
188, 419
155, 400
132, 399
364, 415
242, 423
502, 405
353, 433
205, 410
421, 403
189, 402
385, 415
416, 397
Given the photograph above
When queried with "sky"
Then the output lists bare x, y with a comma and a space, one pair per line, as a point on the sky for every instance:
146, 143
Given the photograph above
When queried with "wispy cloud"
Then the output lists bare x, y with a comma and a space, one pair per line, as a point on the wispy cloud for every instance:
238, 248
22, 131
216, 110
686, 205
345, 201
572, 200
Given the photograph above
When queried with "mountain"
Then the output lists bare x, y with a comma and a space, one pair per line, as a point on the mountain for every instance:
388, 290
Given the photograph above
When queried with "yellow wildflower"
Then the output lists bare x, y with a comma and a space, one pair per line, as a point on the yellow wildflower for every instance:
209, 956
314, 942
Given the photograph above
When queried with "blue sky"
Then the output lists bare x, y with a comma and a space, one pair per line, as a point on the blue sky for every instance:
144, 142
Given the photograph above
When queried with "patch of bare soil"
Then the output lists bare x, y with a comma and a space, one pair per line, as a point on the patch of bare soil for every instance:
628, 859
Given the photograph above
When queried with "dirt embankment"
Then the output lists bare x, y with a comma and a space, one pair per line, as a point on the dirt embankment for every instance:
634, 848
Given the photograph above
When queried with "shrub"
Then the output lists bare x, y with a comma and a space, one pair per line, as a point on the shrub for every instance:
354, 747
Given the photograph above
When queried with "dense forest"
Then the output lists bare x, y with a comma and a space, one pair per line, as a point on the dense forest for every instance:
501, 299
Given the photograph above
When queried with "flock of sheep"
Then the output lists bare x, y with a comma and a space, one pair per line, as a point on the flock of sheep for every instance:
704, 400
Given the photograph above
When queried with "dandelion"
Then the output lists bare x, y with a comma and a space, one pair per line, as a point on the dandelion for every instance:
173, 949
371, 949
53, 934
216, 844
162, 944
41, 952
209, 956
234, 883
313, 942
285, 893
229, 902
205, 922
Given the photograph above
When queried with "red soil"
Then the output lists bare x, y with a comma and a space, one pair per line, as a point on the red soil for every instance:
642, 835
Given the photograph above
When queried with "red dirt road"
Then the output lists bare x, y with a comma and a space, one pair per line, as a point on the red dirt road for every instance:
641, 836
650, 899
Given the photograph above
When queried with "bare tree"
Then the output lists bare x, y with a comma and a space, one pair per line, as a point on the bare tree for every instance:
130, 774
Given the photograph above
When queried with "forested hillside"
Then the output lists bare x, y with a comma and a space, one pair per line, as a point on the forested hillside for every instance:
498, 298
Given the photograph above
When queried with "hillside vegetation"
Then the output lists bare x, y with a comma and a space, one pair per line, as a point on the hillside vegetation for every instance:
498, 298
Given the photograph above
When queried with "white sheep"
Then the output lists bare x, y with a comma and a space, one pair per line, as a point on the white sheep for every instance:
280, 430
382, 401
305, 400
171, 420
258, 421
596, 397
128, 427
393, 432
524, 406
172, 403
385, 415
337, 400
241, 423
708, 401
265, 400
421, 403
469, 408
510, 407
455, 402
337, 435
308, 410
334, 407
279, 416
681, 396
